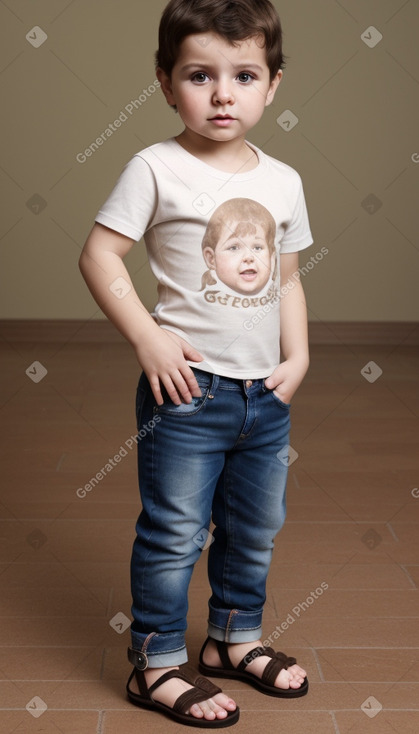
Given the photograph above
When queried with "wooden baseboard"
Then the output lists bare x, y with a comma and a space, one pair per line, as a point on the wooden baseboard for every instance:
327, 332
59, 330
364, 332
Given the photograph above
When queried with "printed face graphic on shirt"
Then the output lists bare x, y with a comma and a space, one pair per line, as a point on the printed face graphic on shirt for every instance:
239, 246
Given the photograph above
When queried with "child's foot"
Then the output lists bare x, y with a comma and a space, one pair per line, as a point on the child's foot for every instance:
292, 677
217, 707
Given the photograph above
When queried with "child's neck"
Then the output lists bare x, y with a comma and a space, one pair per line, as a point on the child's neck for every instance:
233, 156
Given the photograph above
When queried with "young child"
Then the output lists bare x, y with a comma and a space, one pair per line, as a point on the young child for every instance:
215, 392
239, 246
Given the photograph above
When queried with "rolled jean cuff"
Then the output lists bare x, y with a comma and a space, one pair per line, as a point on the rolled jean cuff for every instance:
161, 649
234, 625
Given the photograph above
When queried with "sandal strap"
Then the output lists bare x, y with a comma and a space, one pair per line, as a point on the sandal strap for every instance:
140, 678
223, 654
277, 662
165, 677
145, 690
252, 655
202, 690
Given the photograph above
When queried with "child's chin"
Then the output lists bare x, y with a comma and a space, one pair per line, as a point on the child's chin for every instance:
252, 290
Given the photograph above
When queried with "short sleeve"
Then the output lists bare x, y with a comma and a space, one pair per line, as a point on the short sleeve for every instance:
297, 234
130, 207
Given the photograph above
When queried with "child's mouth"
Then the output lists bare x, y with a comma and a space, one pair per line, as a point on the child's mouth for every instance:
222, 120
249, 274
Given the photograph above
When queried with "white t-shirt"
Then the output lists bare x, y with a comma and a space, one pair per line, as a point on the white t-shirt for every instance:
213, 241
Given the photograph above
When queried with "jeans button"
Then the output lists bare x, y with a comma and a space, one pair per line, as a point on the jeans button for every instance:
249, 383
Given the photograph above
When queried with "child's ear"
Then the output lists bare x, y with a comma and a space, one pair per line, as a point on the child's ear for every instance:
209, 257
273, 87
166, 86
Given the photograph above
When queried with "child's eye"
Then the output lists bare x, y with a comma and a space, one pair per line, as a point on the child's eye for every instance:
199, 77
245, 77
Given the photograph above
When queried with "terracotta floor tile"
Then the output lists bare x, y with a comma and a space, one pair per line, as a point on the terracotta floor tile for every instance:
384, 722
356, 488
299, 551
39, 631
249, 722
350, 696
68, 695
369, 665
126, 508
344, 603
51, 663
67, 540
63, 574
50, 722
347, 532
35, 602
340, 576
406, 531
331, 632
405, 554
413, 572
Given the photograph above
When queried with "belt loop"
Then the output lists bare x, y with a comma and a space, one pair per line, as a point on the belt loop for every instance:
214, 385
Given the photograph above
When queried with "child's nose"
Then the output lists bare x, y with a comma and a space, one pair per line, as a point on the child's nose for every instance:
223, 93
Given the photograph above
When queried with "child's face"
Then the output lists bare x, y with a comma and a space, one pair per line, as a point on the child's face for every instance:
243, 262
220, 90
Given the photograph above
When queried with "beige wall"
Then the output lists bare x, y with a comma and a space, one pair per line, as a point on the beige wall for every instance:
357, 135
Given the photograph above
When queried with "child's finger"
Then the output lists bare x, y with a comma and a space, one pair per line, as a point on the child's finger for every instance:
178, 388
193, 387
192, 354
155, 387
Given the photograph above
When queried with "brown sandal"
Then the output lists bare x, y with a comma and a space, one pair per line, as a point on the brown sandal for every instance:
201, 691
266, 683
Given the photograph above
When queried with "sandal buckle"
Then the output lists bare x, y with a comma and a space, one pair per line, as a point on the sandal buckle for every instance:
137, 658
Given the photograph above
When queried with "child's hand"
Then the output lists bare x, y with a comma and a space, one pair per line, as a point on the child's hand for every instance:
163, 358
286, 378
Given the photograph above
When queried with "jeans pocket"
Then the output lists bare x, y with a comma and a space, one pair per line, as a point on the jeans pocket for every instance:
184, 409
204, 380
277, 399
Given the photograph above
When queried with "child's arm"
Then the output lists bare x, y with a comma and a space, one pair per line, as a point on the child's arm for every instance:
161, 354
287, 377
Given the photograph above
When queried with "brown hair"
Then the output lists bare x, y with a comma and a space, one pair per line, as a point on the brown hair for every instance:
233, 20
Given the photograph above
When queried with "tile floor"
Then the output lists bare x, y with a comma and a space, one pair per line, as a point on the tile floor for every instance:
343, 588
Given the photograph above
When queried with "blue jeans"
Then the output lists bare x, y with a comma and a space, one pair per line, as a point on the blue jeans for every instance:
222, 456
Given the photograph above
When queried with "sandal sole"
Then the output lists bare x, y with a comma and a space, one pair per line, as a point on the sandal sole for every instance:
231, 718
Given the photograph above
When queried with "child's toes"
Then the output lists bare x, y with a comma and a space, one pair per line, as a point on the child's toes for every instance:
209, 709
213, 708
283, 679
224, 702
196, 711
219, 705
297, 672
